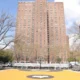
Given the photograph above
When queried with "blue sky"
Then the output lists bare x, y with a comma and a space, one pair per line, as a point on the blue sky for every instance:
10, 6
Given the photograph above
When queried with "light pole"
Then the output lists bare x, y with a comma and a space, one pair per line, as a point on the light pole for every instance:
40, 59
36, 55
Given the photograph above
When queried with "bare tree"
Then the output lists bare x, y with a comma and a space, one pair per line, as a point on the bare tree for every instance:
54, 52
76, 30
7, 28
23, 50
75, 47
40, 52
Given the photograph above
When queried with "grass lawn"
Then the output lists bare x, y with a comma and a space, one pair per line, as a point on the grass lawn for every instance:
14, 74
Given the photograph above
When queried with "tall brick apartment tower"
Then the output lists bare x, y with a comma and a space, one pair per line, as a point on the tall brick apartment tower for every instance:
41, 32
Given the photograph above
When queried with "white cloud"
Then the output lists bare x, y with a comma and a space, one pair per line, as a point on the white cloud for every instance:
72, 11
2, 46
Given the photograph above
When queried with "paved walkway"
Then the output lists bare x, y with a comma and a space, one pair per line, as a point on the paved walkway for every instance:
14, 74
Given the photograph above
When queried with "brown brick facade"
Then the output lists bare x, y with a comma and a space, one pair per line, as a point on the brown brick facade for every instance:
41, 31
